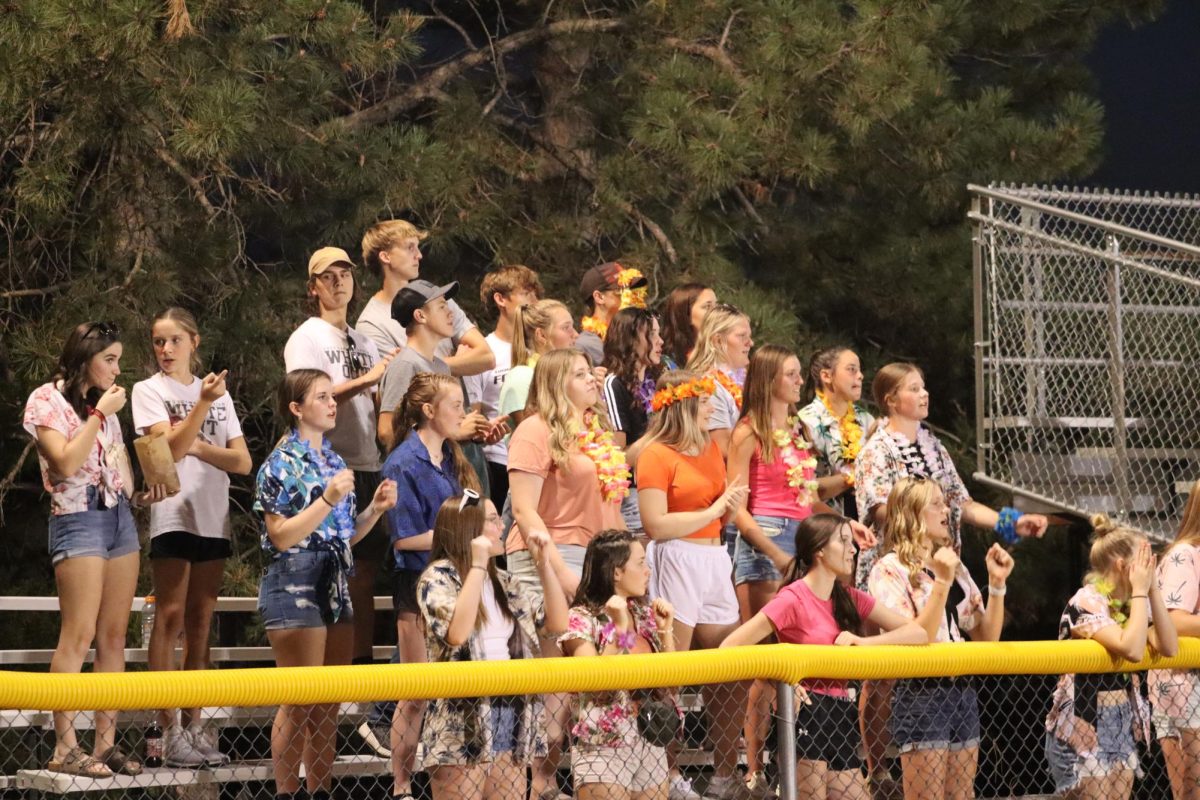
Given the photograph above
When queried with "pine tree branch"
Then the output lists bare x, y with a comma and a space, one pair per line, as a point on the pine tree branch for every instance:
45, 290
194, 184
11, 477
387, 110
750, 210
713, 53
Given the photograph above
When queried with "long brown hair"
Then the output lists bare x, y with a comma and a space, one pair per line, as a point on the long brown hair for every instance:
679, 337
428, 387
812, 535
527, 321
548, 399
453, 530
628, 331
765, 366
84, 343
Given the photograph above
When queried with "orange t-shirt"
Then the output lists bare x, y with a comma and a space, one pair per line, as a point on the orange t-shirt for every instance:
570, 503
692, 483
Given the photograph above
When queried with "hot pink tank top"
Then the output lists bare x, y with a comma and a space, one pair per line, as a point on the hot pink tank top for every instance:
770, 495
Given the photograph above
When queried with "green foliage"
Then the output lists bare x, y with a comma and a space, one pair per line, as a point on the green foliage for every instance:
809, 159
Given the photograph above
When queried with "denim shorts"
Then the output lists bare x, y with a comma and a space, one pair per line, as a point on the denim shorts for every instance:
1115, 750
504, 725
751, 566
99, 531
935, 714
288, 596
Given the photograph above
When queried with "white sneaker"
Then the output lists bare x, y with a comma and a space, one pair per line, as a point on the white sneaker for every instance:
731, 787
759, 787
681, 789
180, 751
381, 747
205, 741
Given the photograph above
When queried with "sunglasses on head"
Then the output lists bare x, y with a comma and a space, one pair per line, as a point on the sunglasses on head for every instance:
101, 330
470, 497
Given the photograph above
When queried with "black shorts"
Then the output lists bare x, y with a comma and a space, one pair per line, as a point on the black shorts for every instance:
498, 482
404, 591
827, 731
374, 546
189, 547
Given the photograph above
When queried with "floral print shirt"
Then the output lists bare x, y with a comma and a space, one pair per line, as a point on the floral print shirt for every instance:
825, 430
293, 478
889, 584
1073, 711
1174, 692
47, 408
885, 459
607, 719
457, 731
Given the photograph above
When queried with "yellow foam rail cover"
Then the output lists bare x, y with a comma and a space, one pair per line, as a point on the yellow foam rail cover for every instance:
781, 662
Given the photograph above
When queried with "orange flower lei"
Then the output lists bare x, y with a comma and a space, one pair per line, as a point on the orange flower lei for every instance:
597, 443
631, 298
730, 386
593, 325
699, 387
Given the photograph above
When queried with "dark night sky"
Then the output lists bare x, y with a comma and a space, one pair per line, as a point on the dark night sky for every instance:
1149, 82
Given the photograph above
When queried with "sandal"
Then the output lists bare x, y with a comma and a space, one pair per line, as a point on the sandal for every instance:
77, 762
117, 760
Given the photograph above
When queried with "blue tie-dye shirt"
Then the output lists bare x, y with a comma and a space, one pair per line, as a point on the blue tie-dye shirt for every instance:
293, 478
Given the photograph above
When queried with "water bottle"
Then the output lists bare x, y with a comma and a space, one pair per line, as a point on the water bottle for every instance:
147, 620
154, 745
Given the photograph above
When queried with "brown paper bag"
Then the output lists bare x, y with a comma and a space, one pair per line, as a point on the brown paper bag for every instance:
158, 466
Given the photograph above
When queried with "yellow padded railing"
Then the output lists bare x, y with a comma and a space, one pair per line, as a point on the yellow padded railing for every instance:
781, 662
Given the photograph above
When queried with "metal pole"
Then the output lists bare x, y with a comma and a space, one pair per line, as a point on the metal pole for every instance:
785, 709
981, 454
1116, 336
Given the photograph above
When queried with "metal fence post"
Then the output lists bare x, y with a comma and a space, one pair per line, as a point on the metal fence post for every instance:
785, 709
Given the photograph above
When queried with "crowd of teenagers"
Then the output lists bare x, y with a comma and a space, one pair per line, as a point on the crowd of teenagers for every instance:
651, 484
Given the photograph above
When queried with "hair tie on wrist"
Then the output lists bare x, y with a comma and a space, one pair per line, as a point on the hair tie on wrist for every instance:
326, 499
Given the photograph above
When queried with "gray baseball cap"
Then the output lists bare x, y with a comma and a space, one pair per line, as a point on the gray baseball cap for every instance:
416, 294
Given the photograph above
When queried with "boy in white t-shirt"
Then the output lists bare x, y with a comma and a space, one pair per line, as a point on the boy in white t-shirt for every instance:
355, 367
506, 290
392, 249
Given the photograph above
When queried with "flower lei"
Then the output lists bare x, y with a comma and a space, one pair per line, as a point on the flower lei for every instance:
593, 325
730, 386
645, 394
698, 387
801, 463
611, 470
850, 432
631, 298
1116, 607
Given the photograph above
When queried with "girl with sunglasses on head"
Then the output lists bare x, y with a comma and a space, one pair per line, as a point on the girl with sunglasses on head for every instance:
93, 541
473, 611
428, 466
189, 533
306, 496
610, 758
815, 606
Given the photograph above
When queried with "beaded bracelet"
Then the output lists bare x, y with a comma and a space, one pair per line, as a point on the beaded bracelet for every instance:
625, 640
1006, 526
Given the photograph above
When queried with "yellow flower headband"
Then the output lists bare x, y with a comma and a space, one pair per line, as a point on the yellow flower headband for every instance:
697, 387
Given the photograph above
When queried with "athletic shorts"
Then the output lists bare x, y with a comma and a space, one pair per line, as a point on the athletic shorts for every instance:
827, 730
696, 580
189, 547
375, 545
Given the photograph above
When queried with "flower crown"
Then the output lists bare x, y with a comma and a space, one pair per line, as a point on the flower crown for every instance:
697, 387
631, 298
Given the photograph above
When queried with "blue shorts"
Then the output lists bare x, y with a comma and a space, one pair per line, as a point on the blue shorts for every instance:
1115, 750
504, 725
99, 531
288, 595
751, 566
935, 714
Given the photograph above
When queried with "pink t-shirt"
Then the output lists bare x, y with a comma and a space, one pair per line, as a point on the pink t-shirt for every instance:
800, 617
770, 495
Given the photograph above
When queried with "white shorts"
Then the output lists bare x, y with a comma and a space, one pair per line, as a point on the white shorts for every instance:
697, 580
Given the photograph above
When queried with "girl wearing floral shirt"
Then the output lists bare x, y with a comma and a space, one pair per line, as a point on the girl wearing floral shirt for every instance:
1094, 719
770, 453
1175, 694
480, 746
935, 721
838, 423
609, 758
306, 496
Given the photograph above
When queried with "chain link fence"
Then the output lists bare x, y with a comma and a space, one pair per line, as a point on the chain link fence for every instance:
1087, 327
952, 736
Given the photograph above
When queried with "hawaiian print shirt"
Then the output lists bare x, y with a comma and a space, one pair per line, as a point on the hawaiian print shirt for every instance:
456, 731
607, 719
293, 478
890, 584
1073, 711
825, 430
885, 459
1175, 693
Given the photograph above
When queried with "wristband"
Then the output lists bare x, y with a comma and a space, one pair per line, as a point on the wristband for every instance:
323, 497
475, 566
940, 582
997, 592
1136, 596
98, 414
1006, 525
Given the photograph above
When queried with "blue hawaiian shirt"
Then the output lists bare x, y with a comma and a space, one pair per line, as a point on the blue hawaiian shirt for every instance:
291, 479
421, 488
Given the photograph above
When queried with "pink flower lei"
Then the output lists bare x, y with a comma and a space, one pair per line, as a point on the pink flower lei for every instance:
797, 454
611, 470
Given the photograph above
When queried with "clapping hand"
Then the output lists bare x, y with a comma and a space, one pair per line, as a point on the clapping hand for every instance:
385, 496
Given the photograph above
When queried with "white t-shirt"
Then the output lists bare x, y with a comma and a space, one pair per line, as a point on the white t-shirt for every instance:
319, 345
202, 505
496, 631
376, 322
485, 388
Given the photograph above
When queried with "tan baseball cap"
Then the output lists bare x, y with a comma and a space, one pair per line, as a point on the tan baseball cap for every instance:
325, 258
